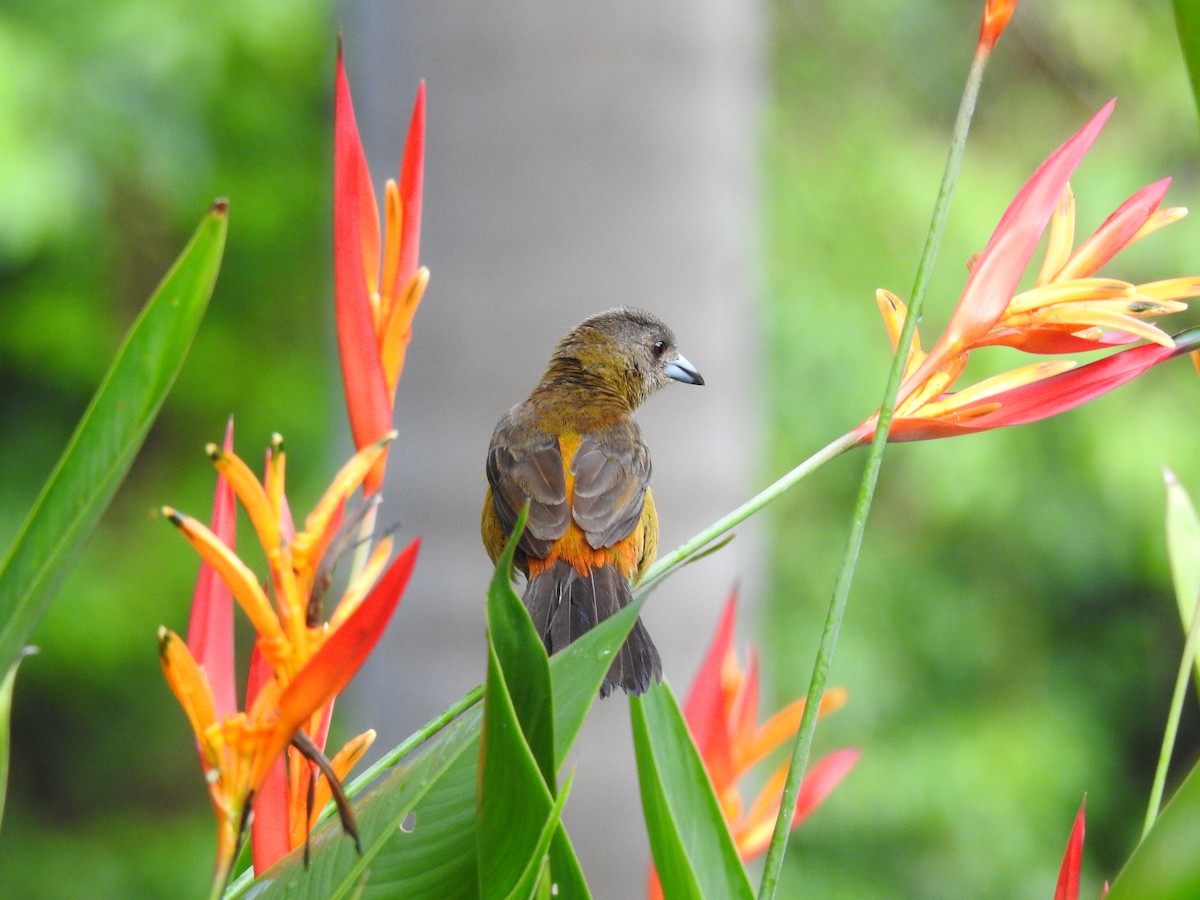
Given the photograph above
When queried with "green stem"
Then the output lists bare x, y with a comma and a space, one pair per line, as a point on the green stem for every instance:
1172, 728
414, 740
841, 590
769, 494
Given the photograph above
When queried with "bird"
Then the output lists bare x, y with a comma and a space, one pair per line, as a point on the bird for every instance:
575, 454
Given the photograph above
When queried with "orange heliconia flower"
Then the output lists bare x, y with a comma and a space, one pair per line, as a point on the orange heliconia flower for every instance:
722, 714
302, 662
1067, 310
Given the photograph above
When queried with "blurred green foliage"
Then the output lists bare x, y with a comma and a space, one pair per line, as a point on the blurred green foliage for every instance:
1012, 637
119, 124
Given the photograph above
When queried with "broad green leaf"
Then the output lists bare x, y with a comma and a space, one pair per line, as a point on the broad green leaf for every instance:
523, 661
436, 788
693, 851
1165, 865
532, 883
517, 780
1187, 24
578, 671
435, 858
514, 802
107, 438
6, 693
1183, 549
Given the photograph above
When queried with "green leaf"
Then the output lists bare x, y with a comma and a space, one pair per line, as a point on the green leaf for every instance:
1183, 550
517, 779
693, 851
523, 661
436, 788
578, 671
514, 800
107, 438
1187, 25
532, 882
6, 693
1165, 865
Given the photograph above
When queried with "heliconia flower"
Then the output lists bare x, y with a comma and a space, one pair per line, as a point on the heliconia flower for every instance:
721, 711
996, 14
291, 637
239, 749
377, 282
1067, 310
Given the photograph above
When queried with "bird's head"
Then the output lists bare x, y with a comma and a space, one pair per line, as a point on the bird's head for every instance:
628, 351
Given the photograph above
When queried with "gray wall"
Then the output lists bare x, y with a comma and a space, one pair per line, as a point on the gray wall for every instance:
579, 156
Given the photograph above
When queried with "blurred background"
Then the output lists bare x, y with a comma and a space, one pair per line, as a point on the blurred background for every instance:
751, 170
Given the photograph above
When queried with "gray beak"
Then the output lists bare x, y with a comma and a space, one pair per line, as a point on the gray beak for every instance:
682, 370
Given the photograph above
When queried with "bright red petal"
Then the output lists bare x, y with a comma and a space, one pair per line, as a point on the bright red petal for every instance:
1052, 342
210, 627
331, 668
820, 780
270, 835
998, 270
362, 371
1068, 875
412, 183
704, 709
1042, 399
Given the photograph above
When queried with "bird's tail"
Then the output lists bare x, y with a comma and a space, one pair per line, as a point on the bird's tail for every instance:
565, 605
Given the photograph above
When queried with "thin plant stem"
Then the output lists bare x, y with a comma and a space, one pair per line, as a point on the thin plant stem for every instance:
768, 495
1172, 727
414, 740
841, 590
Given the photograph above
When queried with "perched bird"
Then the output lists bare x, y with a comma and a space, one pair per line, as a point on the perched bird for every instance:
574, 452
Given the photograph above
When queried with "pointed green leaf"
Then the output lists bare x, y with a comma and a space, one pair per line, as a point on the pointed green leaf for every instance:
1187, 25
693, 851
532, 882
107, 438
514, 800
578, 671
1183, 550
1165, 864
6, 693
523, 660
425, 805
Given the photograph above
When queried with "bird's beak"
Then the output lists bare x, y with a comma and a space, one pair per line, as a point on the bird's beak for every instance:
682, 370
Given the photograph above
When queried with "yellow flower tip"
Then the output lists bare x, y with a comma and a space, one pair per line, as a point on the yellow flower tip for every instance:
276, 442
835, 698
176, 518
165, 636
387, 438
212, 451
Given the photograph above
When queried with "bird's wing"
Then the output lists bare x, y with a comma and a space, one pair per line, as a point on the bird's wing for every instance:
525, 464
612, 471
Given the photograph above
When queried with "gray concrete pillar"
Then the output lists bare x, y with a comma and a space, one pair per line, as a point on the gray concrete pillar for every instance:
580, 156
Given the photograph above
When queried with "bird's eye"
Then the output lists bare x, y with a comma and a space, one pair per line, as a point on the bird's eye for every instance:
658, 347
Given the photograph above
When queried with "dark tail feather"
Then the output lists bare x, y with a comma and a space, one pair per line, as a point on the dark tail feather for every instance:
565, 605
